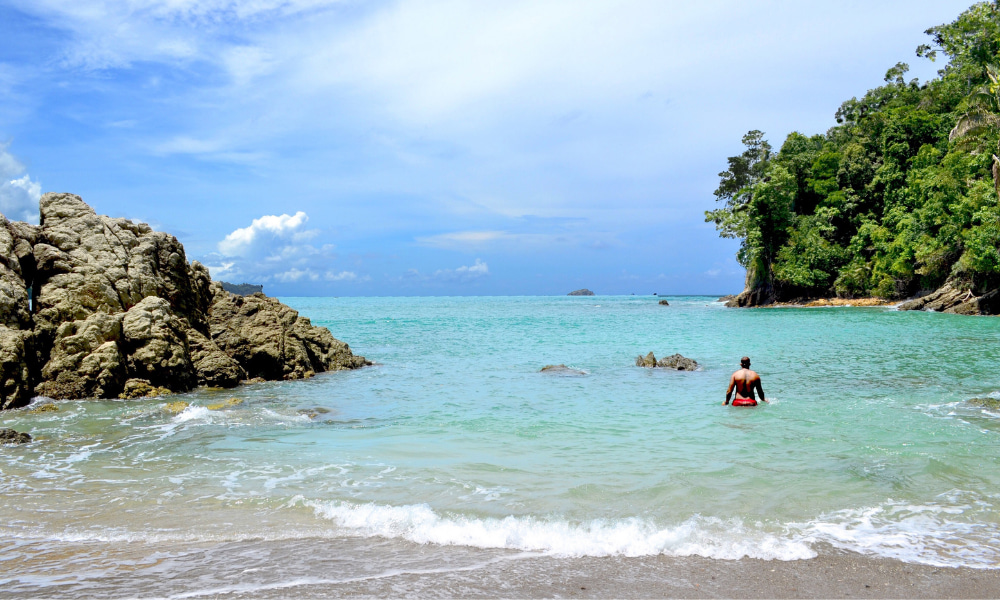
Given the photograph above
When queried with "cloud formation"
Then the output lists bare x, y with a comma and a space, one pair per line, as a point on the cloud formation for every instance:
264, 232
19, 195
276, 248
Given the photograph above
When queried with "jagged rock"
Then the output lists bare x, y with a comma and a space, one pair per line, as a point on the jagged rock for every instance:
9, 436
15, 375
957, 299
155, 342
271, 340
141, 388
677, 362
214, 367
562, 370
583, 292
664, 303
44, 408
674, 361
118, 310
16, 265
648, 361
85, 361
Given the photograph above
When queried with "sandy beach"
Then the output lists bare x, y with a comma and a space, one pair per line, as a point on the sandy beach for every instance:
833, 574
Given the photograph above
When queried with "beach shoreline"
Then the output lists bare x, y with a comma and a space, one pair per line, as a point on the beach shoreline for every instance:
833, 573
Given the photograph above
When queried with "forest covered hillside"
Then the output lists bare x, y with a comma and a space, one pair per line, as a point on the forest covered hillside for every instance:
898, 199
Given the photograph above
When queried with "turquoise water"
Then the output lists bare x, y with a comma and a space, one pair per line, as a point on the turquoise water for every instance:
455, 448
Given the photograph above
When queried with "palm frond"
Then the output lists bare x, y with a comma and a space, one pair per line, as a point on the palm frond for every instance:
973, 122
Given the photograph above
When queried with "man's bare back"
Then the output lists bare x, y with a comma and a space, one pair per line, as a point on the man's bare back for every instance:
744, 382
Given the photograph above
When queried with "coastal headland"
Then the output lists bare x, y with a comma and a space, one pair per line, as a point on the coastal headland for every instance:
96, 307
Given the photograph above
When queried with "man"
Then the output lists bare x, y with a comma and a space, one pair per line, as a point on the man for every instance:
744, 382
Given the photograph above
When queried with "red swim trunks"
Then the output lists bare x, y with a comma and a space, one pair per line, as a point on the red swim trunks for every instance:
744, 402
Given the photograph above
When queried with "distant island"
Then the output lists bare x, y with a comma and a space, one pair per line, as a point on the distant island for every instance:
242, 289
583, 292
898, 200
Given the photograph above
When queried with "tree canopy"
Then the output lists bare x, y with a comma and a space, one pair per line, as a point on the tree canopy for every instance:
900, 196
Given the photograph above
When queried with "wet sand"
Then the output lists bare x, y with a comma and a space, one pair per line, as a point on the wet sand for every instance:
831, 575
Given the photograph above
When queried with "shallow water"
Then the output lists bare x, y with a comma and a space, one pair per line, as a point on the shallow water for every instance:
454, 450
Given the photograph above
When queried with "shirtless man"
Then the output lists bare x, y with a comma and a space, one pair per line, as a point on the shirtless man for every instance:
744, 382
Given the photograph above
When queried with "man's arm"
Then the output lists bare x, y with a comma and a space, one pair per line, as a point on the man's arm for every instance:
760, 390
729, 392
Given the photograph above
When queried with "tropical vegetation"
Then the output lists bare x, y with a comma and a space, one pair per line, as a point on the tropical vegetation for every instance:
902, 195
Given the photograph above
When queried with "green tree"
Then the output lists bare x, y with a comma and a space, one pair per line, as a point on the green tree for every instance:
982, 115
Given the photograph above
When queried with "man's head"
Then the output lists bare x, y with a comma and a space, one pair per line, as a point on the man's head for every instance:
745, 362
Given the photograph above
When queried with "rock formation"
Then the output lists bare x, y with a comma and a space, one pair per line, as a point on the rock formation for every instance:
664, 303
677, 362
583, 292
674, 361
117, 309
9, 436
957, 299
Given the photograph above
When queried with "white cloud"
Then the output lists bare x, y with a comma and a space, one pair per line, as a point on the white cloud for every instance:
342, 276
294, 274
463, 274
268, 227
19, 195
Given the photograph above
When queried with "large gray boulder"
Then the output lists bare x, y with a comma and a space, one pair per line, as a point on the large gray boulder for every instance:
117, 308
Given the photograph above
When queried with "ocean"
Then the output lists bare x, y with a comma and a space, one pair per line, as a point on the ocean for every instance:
454, 452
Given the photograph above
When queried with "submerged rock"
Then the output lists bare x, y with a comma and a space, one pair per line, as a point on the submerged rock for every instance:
664, 303
225, 404
175, 408
561, 370
990, 403
116, 302
581, 292
9, 436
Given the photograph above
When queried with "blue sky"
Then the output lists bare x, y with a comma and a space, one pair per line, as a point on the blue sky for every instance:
429, 147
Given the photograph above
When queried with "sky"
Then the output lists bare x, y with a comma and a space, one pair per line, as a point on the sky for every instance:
429, 147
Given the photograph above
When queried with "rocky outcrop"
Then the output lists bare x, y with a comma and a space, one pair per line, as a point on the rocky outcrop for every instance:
678, 363
648, 361
674, 361
583, 292
117, 310
664, 303
956, 299
270, 340
9, 436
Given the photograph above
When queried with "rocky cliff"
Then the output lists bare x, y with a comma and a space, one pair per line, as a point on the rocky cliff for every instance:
114, 305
